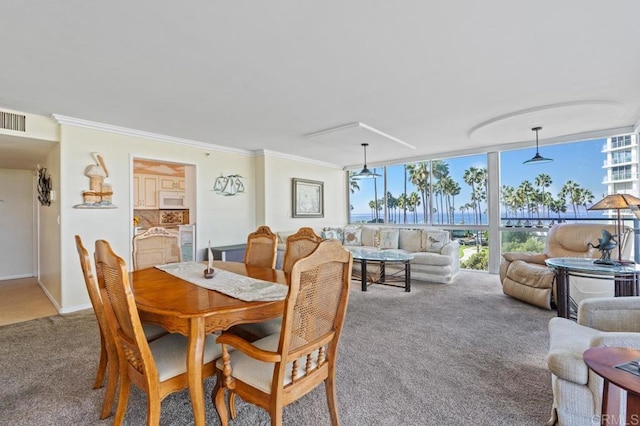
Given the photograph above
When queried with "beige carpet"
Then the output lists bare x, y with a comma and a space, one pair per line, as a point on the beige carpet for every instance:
457, 354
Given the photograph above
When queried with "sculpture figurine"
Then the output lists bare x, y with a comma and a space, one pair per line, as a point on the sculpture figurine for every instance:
605, 245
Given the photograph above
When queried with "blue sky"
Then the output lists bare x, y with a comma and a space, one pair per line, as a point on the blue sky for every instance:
579, 161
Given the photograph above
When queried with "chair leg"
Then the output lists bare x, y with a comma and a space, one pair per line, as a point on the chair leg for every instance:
102, 365
232, 404
217, 395
123, 399
276, 417
153, 409
332, 400
110, 392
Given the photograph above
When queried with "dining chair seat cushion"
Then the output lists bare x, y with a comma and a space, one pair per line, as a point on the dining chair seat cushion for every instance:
152, 331
170, 354
261, 329
258, 373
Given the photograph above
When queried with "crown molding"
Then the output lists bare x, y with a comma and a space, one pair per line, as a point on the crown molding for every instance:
71, 121
268, 153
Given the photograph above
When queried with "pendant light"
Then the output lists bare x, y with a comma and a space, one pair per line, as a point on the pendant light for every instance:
537, 159
365, 172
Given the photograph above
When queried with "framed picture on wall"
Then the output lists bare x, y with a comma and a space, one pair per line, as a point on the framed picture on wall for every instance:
308, 198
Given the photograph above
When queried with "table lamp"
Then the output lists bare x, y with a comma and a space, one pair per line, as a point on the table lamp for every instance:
618, 202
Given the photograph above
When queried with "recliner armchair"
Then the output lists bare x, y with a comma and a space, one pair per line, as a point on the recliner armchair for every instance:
526, 277
577, 391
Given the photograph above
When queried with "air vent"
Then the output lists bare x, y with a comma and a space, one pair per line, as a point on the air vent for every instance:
12, 121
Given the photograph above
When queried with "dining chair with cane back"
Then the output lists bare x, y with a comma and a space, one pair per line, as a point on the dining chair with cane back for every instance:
279, 369
299, 245
159, 368
262, 248
156, 246
108, 353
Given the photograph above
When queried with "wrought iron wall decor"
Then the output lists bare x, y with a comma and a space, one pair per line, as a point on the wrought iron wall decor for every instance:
228, 185
44, 186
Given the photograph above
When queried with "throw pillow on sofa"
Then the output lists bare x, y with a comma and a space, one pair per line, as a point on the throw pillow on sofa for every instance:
334, 232
352, 236
433, 241
410, 240
388, 239
330, 234
370, 236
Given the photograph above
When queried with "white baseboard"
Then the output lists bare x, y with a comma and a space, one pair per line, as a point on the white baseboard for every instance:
49, 296
16, 277
67, 310
76, 308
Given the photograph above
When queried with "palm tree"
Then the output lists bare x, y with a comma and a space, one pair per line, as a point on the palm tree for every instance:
543, 181
571, 190
403, 204
404, 196
476, 178
375, 195
354, 185
587, 198
419, 176
414, 202
392, 206
439, 171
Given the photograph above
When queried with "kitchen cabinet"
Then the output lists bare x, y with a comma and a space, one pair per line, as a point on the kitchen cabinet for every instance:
170, 183
145, 192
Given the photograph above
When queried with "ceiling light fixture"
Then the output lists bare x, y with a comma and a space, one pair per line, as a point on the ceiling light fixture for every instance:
365, 172
537, 159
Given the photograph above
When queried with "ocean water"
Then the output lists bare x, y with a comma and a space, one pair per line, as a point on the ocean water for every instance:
467, 219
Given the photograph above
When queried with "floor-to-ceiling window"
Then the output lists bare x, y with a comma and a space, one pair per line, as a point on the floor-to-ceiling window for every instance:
453, 193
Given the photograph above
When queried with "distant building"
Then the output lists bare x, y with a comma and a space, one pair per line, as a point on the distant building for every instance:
621, 165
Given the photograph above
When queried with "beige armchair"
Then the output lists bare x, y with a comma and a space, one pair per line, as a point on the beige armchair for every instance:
526, 277
577, 391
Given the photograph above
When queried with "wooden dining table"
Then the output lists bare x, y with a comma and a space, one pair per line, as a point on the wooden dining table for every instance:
182, 307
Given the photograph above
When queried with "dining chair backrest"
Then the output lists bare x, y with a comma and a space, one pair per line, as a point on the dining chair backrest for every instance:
156, 246
262, 248
121, 311
303, 354
92, 286
108, 353
316, 304
299, 245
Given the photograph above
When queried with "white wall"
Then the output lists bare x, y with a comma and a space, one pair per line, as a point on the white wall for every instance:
223, 220
16, 224
278, 175
49, 234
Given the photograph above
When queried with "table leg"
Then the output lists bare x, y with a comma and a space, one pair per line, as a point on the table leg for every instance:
195, 355
382, 272
633, 408
407, 276
562, 290
610, 405
363, 271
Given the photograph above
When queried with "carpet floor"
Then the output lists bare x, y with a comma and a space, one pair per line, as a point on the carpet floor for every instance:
456, 354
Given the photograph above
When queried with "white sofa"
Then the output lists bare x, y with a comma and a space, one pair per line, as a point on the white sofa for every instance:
435, 257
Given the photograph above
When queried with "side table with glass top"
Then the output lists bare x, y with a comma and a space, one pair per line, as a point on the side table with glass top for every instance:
382, 257
625, 278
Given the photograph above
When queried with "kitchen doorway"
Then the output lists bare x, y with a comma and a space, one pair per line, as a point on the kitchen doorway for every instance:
164, 194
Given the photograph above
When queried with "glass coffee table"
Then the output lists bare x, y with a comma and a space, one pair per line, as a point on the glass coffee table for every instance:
625, 278
381, 258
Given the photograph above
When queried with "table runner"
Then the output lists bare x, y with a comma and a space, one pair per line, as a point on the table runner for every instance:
229, 283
